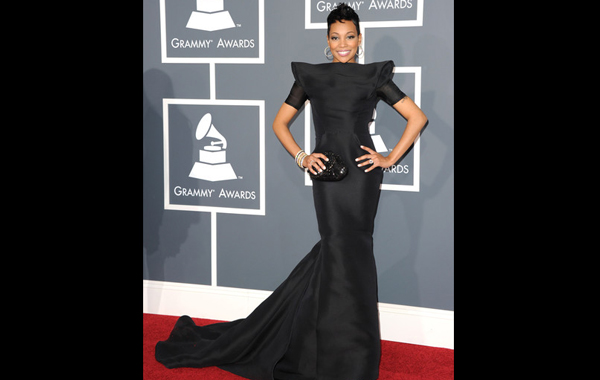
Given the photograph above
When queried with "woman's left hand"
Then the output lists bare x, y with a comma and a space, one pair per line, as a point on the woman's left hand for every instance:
374, 159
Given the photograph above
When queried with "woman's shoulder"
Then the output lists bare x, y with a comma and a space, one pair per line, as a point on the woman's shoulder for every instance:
332, 64
303, 70
384, 72
329, 66
308, 66
379, 71
389, 62
382, 66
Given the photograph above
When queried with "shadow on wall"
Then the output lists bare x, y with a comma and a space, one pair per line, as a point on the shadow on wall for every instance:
163, 231
398, 279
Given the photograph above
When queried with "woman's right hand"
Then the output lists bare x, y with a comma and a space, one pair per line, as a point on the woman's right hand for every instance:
313, 162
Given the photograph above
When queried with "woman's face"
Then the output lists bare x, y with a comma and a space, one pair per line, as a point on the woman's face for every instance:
343, 40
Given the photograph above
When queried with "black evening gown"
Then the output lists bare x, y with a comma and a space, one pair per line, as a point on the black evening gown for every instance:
322, 322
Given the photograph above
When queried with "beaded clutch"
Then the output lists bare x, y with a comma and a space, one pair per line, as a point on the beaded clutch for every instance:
335, 169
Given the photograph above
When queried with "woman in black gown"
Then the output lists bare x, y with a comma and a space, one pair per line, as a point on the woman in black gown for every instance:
322, 322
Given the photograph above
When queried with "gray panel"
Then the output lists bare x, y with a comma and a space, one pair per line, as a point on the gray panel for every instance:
414, 243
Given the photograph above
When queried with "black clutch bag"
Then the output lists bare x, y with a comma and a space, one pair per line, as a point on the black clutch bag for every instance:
335, 169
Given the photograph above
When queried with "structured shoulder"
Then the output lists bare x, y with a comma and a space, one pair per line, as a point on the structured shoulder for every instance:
385, 72
298, 69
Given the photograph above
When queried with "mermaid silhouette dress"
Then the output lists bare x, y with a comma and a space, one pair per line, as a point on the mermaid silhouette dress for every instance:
322, 322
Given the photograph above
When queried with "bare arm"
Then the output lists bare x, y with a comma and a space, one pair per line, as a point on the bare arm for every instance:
282, 131
416, 120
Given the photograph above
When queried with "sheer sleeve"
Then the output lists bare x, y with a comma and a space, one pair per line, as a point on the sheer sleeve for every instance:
390, 93
386, 88
297, 96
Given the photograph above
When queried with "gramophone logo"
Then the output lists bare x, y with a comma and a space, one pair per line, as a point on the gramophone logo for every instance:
204, 140
210, 16
212, 165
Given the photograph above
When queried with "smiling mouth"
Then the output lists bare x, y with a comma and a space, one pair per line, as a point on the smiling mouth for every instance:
343, 53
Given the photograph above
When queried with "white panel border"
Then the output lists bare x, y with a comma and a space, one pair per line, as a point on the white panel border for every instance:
261, 136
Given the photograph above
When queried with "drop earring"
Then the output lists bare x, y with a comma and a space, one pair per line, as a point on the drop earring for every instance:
362, 51
328, 53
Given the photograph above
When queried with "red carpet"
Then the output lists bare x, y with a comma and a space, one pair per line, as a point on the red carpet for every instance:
399, 361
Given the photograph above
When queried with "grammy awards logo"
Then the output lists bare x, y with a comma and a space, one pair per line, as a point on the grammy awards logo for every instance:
373, 13
210, 16
212, 165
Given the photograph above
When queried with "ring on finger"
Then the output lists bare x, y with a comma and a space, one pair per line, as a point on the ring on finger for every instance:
370, 161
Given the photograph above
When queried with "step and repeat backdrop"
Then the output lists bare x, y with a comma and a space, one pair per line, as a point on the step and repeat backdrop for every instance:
225, 205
